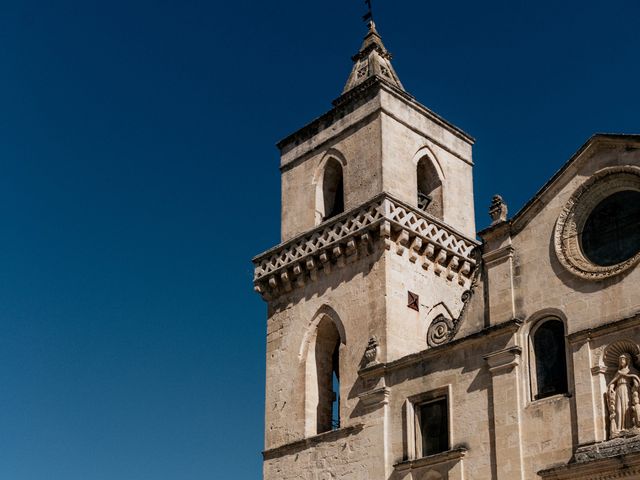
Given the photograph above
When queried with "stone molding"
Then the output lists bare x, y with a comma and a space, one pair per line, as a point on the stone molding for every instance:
498, 255
356, 97
608, 449
381, 369
305, 443
614, 459
575, 213
375, 398
450, 456
503, 360
402, 227
615, 326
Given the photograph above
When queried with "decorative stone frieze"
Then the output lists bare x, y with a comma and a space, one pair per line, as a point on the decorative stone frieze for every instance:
332, 244
570, 223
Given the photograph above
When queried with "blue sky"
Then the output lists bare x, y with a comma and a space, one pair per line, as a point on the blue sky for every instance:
138, 176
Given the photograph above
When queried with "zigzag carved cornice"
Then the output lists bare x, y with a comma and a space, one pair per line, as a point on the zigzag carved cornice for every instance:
351, 234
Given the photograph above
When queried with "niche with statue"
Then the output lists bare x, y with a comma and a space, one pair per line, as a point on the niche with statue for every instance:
623, 389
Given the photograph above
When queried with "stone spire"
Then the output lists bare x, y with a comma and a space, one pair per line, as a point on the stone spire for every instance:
373, 60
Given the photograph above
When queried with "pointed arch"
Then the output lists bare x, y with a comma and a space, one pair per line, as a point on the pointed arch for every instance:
429, 182
324, 310
320, 352
328, 182
427, 151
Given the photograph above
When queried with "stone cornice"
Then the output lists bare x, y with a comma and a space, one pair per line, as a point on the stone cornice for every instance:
443, 145
598, 462
380, 369
430, 114
366, 51
498, 255
405, 228
615, 326
360, 95
376, 397
453, 455
360, 91
503, 360
355, 97
304, 443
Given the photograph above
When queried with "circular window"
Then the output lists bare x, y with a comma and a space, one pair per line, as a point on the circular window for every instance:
598, 232
611, 233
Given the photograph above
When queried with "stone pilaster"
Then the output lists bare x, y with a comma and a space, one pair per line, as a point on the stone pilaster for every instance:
498, 257
506, 400
590, 386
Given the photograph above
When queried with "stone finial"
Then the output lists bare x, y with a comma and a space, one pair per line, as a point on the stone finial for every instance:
371, 353
498, 210
372, 60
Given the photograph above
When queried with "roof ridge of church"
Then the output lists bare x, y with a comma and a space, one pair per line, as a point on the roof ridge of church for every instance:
527, 210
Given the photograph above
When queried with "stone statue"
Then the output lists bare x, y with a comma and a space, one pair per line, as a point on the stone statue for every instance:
622, 394
635, 409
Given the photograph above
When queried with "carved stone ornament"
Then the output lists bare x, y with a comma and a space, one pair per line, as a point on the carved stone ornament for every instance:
498, 210
443, 329
439, 331
372, 351
623, 397
353, 234
570, 223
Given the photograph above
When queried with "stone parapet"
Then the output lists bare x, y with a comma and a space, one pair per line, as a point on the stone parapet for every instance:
402, 227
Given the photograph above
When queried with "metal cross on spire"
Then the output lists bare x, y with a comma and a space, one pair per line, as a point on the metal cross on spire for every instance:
368, 17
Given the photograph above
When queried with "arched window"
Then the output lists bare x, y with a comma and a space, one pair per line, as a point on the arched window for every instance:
429, 188
549, 372
322, 402
332, 190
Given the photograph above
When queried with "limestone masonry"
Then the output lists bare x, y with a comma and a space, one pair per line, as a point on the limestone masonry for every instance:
400, 347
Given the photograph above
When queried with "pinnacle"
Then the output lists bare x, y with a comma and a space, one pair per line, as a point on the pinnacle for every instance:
372, 60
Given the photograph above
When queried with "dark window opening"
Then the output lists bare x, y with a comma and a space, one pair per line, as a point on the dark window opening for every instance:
328, 376
551, 360
429, 188
333, 189
335, 407
434, 426
611, 234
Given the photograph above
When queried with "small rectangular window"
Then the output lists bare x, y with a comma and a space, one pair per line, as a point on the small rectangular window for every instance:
433, 427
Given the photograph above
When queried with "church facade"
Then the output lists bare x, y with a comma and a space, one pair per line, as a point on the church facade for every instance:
402, 344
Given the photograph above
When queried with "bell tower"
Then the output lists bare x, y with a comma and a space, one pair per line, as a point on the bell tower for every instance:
376, 263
